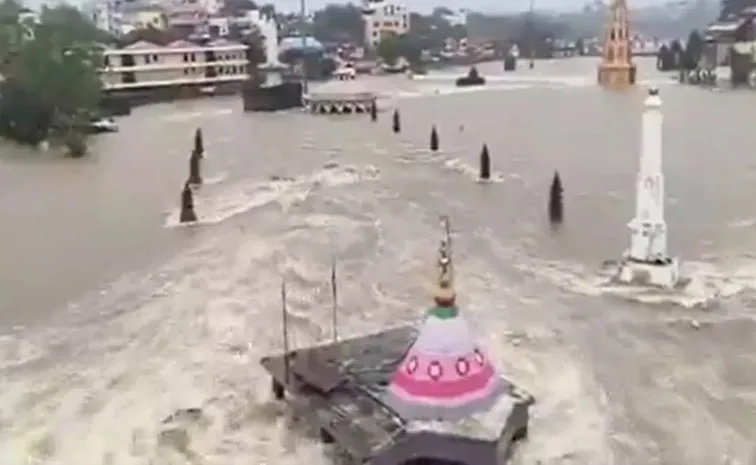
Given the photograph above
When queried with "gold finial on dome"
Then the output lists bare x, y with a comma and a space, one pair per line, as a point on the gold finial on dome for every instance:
444, 296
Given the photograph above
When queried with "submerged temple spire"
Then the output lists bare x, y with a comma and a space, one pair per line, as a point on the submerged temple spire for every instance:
616, 69
445, 375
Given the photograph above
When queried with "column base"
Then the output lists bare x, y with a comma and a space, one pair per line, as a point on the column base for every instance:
664, 274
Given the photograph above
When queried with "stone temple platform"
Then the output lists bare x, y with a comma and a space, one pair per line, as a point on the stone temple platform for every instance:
339, 98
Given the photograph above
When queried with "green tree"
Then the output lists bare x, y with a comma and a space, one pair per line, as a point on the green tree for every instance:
339, 23
693, 50
51, 87
238, 7
392, 47
268, 10
731, 8
389, 49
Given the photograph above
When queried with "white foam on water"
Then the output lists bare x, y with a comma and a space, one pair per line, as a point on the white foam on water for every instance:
195, 345
569, 421
183, 116
459, 166
244, 195
708, 282
215, 179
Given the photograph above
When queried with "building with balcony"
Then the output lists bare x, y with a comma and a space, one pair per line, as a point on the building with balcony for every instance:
145, 65
384, 18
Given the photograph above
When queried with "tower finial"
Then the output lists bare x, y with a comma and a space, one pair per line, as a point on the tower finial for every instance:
445, 295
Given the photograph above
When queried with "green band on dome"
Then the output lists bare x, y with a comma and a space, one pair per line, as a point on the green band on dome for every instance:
444, 312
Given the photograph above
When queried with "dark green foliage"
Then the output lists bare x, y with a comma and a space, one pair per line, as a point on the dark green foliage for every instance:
693, 50
339, 23
51, 88
729, 9
393, 47
485, 163
434, 139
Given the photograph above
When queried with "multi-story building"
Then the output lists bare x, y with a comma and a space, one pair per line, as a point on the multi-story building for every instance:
105, 14
147, 65
143, 17
144, 65
384, 18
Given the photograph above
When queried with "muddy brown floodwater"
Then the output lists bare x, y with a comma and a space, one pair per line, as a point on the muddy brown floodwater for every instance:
112, 318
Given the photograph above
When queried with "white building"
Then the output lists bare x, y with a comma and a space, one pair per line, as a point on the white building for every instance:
106, 15
144, 65
383, 18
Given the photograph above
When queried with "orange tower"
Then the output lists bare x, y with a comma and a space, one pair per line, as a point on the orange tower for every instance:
617, 69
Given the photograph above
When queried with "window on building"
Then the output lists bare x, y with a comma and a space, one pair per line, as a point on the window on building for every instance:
376, 24
147, 59
193, 57
186, 57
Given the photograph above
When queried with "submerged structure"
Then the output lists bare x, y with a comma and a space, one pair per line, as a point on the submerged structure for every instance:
616, 70
340, 98
648, 262
407, 395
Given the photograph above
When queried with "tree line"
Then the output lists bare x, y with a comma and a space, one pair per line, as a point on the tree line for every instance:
50, 87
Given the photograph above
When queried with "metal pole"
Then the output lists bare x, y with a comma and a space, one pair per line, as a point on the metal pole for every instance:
335, 308
303, 19
285, 321
532, 36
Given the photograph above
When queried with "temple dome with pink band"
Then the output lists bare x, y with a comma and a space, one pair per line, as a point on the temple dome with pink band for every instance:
444, 375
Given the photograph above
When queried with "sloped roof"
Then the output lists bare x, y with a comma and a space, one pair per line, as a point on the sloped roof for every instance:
221, 42
141, 45
181, 44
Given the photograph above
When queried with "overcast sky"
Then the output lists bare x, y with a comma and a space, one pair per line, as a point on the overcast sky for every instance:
479, 5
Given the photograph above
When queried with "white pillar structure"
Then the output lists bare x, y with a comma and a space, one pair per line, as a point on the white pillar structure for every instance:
647, 261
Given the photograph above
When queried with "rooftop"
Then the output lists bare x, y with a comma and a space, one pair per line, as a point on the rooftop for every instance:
345, 382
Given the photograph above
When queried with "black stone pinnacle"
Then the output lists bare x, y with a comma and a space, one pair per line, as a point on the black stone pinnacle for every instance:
556, 203
195, 178
374, 112
485, 163
397, 126
434, 139
187, 214
199, 145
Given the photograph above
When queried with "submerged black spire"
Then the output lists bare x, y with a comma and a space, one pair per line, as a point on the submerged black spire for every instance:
199, 145
195, 178
397, 125
187, 214
485, 163
434, 139
556, 203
